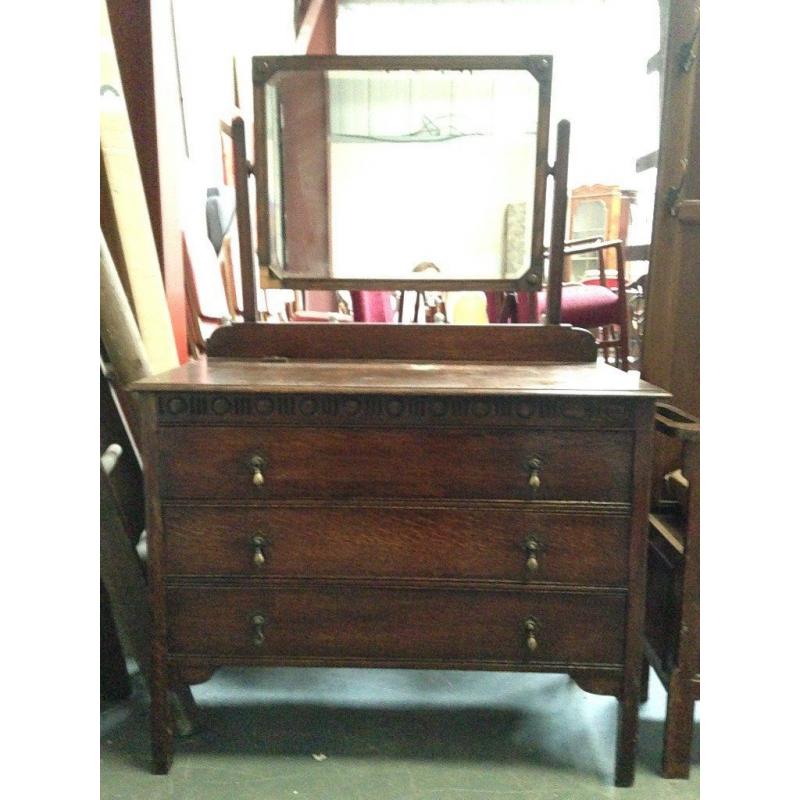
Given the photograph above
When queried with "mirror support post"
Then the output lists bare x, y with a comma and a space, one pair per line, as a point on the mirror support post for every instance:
241, 175
558, 227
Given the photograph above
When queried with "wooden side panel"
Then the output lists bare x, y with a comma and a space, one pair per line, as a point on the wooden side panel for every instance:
671, 345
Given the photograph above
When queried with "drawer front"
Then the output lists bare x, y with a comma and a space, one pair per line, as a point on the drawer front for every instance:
345, 622
398, 542
216, 462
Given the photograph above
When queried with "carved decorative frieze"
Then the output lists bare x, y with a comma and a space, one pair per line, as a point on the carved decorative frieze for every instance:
381, 409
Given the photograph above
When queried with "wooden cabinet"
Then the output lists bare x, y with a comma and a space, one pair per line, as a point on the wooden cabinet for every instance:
409, 513
596, 210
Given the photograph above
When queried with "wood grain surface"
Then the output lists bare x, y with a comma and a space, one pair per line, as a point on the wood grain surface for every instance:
451, 542
358, 622
367, 341
371, 377
214, 463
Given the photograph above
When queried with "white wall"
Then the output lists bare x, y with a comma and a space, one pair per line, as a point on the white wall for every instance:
423, 167
600, 83
209, 36
600, 50
395, 205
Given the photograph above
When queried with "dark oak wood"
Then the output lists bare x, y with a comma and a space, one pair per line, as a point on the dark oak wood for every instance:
555, 270
161, 720
573, 546
529, 385
628, 710
598, 682
241, 177
671, 342
363, 462
394, 504
366, 341
397, 624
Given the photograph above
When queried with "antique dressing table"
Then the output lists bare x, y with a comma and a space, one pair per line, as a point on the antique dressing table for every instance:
421, 496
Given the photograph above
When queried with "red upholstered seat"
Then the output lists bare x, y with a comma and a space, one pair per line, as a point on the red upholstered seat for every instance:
585, 306
372, 306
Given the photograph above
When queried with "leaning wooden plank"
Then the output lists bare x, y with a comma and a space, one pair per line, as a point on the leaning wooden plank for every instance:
121, 168
118, 330
122, 574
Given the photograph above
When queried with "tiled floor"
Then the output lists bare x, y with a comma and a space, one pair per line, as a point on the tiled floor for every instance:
324, 734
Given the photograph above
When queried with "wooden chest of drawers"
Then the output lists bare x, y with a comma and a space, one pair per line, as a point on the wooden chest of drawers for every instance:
413, 514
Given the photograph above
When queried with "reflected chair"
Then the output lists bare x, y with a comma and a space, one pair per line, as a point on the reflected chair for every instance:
431, 307
598, 304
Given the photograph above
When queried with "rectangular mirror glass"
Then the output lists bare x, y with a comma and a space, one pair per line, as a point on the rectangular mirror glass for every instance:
395, 175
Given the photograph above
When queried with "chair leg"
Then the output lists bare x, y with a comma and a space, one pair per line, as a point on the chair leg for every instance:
623, 345
678, 729
604, 337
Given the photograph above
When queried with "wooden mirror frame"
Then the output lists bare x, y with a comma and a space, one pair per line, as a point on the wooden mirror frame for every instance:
264, 67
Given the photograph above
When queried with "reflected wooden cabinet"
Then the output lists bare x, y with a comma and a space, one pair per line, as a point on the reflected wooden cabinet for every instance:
596, 210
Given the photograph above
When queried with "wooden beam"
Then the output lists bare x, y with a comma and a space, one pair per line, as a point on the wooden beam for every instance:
317, 37
650, 161
316, 32
142, 33
128, 212
558, 224
671, 342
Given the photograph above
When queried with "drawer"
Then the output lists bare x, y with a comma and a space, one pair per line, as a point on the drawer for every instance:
398, 542
391, 624
216, 462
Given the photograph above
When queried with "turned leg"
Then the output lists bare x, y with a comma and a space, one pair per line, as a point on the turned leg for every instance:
644, 681
627, 736
678, 729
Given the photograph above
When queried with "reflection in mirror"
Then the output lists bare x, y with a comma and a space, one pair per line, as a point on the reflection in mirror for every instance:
372, 173
589, 220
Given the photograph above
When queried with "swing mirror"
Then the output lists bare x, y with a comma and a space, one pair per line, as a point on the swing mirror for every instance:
377, 172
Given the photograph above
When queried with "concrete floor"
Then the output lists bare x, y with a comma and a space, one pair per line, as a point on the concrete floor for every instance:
324, 734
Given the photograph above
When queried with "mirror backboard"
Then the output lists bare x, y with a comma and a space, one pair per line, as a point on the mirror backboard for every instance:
395, 172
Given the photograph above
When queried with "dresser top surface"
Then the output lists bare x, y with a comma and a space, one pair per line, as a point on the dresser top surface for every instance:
398, 377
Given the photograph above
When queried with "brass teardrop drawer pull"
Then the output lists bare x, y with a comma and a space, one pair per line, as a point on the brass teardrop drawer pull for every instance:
535, 465
533, 549
257, 468
258, 621
259, 546
532, 627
